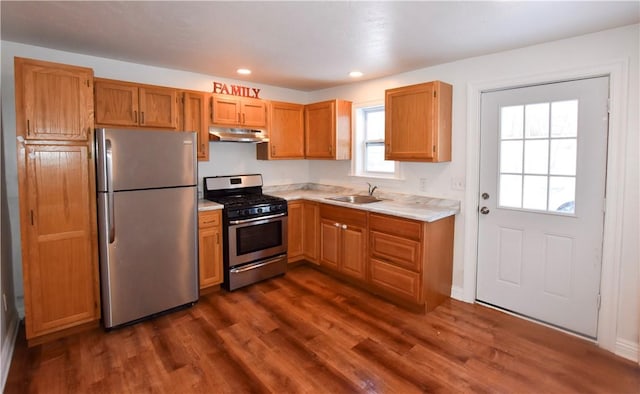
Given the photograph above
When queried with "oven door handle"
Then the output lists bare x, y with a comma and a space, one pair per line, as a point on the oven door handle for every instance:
232, 222
256, 265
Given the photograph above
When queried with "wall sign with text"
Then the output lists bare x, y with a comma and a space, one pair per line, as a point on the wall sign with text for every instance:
235, 90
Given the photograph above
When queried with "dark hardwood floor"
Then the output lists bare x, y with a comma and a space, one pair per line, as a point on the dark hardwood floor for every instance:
307, 332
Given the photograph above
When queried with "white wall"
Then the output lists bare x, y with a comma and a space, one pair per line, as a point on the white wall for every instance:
547, 59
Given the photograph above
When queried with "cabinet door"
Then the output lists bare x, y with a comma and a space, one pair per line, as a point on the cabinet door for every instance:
254, 113
158, 107
320, 121
55, 101
210, 256
409, 129
330, 243
59, 265
195, 119
225, 110
353, 256
295, 223
116, 104
311, 223
418, 122
286, 131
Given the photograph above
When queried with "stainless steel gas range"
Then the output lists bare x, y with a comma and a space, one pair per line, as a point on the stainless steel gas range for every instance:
254, 229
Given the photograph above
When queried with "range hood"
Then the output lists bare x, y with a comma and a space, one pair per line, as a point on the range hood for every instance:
229, 134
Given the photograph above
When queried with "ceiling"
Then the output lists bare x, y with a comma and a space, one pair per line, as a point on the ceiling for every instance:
307, 45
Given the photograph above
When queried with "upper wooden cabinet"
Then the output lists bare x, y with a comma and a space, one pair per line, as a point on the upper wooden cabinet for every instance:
328, 130
53, 101
121, 103
286, 132
233, 111
194, 118
418, 122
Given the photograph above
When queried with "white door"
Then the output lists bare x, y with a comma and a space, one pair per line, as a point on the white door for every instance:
542, 178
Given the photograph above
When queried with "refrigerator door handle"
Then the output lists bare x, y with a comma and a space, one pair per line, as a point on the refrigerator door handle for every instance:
109, 185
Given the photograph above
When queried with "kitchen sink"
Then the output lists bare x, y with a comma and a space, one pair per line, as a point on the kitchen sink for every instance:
355, 199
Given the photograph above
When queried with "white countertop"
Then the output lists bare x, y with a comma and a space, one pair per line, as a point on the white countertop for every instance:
426, 209
206, 205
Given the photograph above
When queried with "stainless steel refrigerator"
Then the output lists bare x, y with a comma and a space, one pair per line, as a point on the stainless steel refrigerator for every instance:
147, 220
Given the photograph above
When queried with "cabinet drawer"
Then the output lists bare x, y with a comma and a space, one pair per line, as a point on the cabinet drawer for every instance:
354, 217
208, 218
398, 281
405, 228
402, 252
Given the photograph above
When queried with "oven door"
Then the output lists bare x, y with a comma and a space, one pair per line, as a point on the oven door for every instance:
257, 238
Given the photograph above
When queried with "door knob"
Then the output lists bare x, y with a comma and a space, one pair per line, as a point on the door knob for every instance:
485, 196
484, 210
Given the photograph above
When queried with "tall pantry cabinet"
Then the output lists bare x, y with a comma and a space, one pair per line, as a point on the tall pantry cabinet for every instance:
56, 179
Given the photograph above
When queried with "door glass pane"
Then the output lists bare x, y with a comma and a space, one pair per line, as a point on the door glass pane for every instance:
564, 118
539, 141
511, 122
536, 154
535, 192
511, 156
536, 123
511, 191
563, 157
562, 191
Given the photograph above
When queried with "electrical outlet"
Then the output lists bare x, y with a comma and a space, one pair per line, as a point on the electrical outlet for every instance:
457, 183
423, 184
4, 301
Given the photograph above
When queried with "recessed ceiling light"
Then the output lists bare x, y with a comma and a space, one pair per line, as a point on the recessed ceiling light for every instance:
355, 74
244, 71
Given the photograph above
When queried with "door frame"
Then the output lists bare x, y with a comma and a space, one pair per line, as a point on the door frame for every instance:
618, 73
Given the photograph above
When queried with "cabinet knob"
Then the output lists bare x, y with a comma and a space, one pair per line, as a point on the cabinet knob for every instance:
337, 224
344, 226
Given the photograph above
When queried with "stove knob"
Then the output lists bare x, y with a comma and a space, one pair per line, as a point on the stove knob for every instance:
259, 210
245, 212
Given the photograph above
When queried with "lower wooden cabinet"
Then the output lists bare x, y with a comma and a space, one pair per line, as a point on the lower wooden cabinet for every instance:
310, 232
411, 260
303, 231
210, 248
343, 235
59, 239
295, 225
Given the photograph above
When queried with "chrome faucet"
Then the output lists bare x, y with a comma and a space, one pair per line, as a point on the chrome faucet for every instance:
371, 189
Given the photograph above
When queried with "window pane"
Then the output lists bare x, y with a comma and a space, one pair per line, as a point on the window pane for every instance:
510, 191
374, 125
511, 122
564, 119
562, 191
563, 157
536, 124
535, 192
536, 155
511, 156
375, 161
